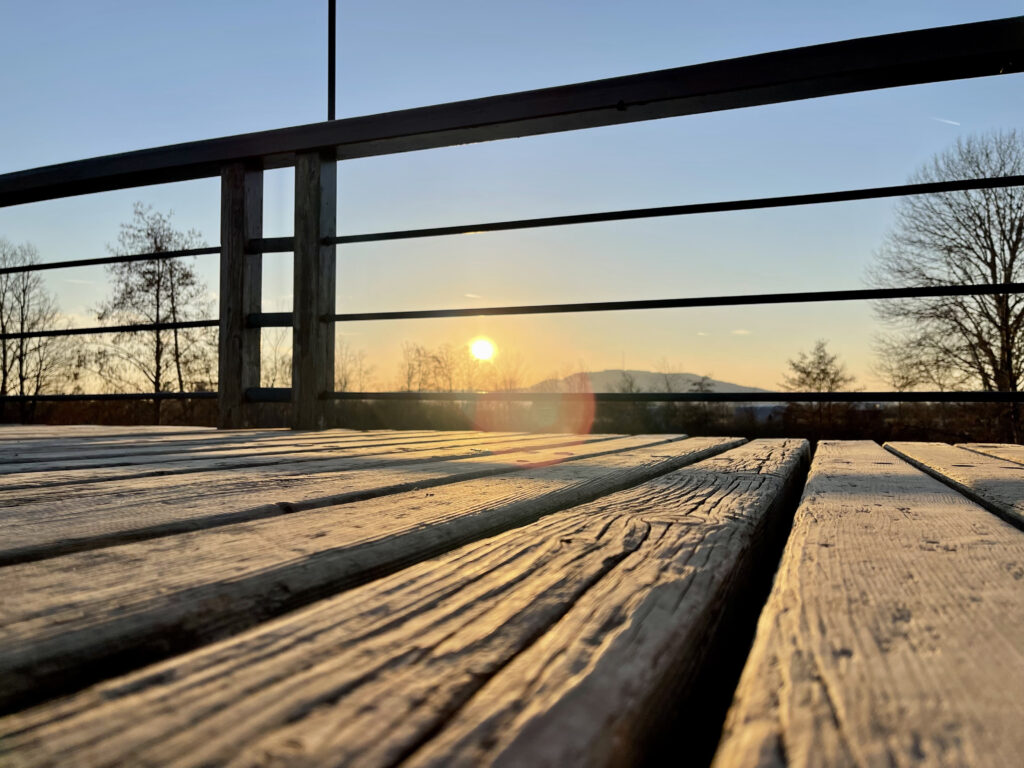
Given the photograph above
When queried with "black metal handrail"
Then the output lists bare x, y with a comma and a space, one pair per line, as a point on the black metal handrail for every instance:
724, 206
158, 256
98, 329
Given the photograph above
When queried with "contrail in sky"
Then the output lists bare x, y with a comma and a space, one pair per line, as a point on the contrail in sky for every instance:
944, 120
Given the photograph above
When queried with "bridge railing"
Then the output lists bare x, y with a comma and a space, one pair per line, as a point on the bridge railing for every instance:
948, 53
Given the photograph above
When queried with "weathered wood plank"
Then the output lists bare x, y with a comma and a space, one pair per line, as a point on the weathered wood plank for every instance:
72, 453
47, 475
71, 619
14, 437
1005, 451
60, 430
574, 625
115, 512
996, 484
894, 634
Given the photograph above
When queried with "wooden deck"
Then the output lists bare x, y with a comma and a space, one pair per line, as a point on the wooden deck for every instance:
189, 597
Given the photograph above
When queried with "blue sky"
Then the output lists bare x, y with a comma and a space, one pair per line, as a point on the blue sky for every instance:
85, 79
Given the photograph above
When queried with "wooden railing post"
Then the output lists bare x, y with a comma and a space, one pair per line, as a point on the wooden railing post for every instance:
241, 276
312, 336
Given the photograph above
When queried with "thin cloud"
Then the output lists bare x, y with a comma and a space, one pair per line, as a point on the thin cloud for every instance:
741, 332
944, 120
701, 333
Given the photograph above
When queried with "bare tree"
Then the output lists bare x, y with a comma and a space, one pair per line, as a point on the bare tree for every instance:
275, 357
351, 371
156, 291
28, 366
411, 376
508, 372
967, 237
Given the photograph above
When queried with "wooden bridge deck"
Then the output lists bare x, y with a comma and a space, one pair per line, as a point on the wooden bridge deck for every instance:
177, 596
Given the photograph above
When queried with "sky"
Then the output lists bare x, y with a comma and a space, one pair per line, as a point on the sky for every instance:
80, 80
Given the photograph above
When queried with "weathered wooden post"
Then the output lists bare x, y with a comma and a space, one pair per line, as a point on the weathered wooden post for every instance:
241, 275
316, 176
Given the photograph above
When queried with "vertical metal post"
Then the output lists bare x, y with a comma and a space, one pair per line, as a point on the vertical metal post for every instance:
312, 335
241, 279
331, 35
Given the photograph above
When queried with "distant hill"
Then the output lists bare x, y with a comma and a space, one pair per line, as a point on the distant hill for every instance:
643, 381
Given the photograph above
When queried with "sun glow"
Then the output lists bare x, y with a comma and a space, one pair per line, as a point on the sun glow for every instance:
482, 349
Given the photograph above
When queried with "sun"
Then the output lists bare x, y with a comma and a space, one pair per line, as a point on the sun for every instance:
482, 349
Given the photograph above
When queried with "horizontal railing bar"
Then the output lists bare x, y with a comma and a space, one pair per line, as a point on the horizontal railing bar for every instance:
38, 267
123, 396
691, 397
271, 245
701, 301
906, 58
268, 395
270, 320
784, 201
111, 329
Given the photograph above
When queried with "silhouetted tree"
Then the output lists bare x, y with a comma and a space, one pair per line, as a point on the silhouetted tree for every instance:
275, 357
29, 366
816, 371
960, 238
351, 371
151, 292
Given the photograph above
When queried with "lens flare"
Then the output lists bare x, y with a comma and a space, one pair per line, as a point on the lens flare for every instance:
482, 349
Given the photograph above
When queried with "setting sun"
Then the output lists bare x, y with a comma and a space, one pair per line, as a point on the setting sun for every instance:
482, 349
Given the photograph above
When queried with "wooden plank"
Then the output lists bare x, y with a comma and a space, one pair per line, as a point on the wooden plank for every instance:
1004, 451
18, 471
241, 285
894, 634
141, 601
46, 482
76, 519
996, 484
315, 286
81, 448
58, 430
14, 434
551, 640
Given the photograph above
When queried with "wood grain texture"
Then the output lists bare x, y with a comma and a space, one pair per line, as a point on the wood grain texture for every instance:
314, 286
1004, 451
70, 620
42, 482
241, 284
50, 523
575, 625
894, 634
73, 453
996, 484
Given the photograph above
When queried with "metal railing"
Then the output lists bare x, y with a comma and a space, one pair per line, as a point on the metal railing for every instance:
932, 55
